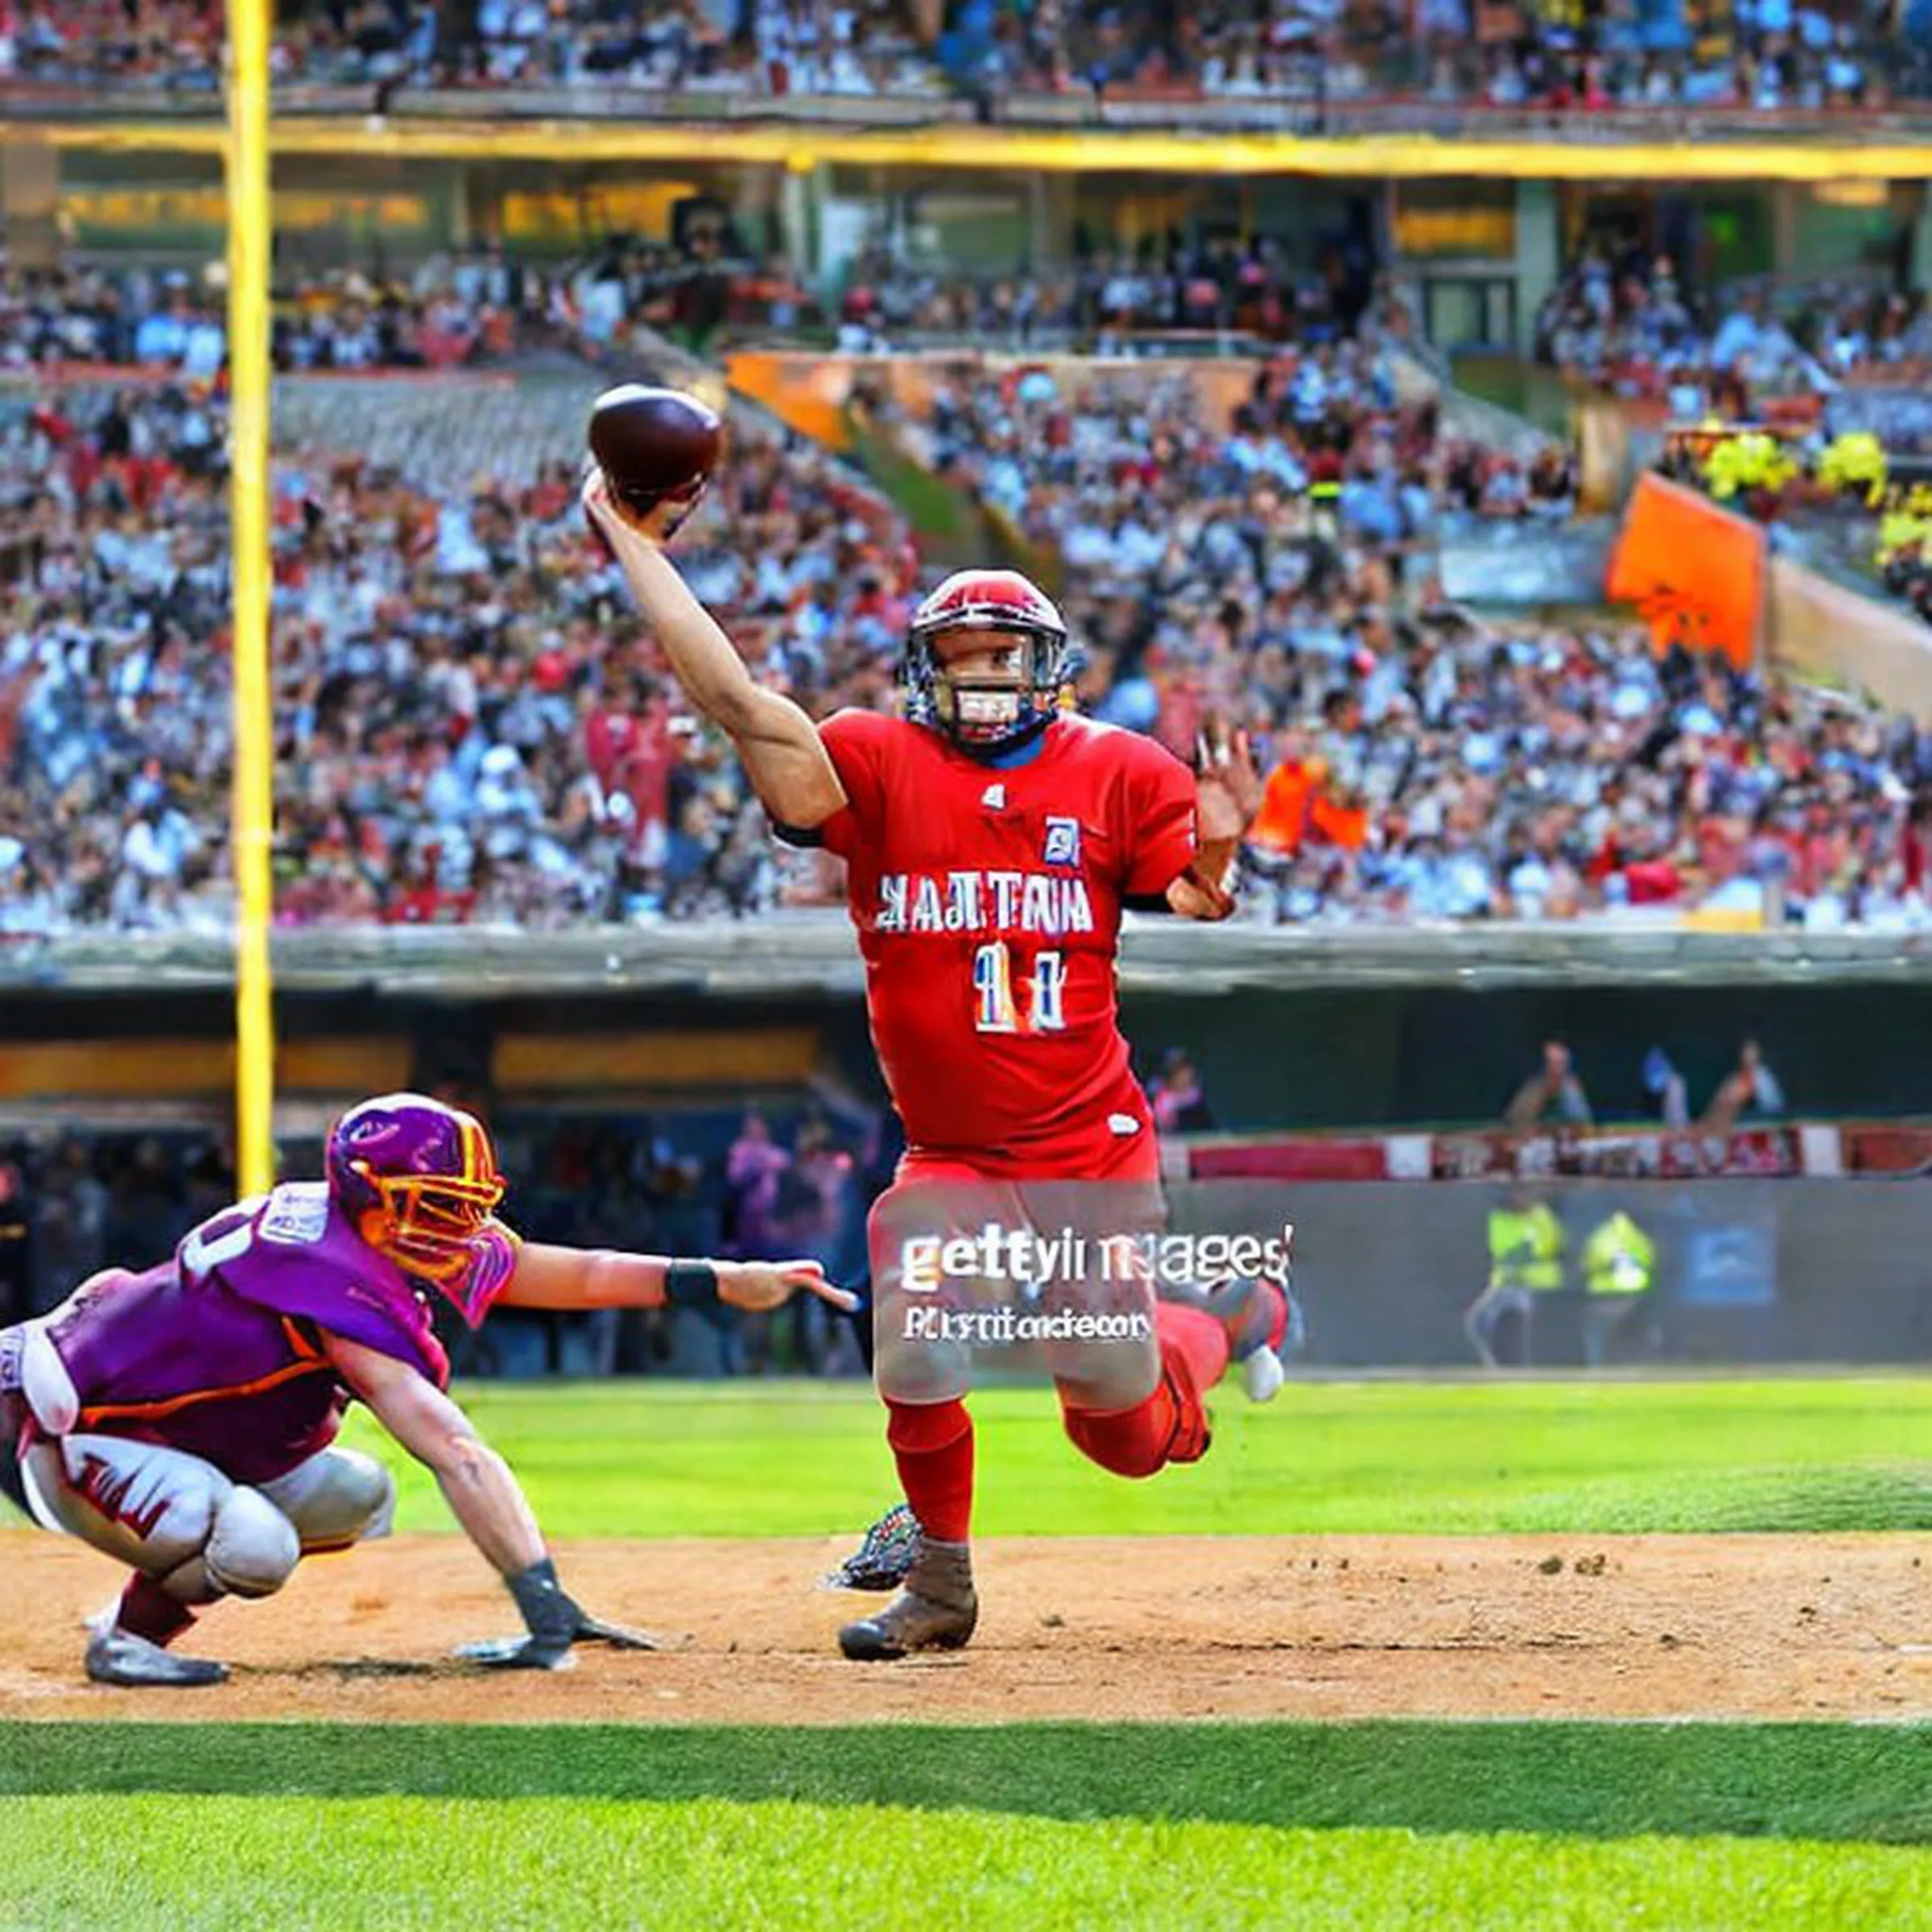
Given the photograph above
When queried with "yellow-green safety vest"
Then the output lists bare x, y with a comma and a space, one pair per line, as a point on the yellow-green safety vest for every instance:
1619, 1258
1525, 1249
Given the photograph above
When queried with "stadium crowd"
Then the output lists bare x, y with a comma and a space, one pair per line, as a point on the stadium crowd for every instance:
1422, 765
472, 729
485, 308
1553, 55
1622, 320
482, 308
1107, 298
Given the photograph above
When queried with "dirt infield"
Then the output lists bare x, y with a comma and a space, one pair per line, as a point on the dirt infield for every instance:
1300, 1627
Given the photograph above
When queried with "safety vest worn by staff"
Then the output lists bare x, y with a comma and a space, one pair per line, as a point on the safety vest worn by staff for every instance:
1526, 1248
1619, 1258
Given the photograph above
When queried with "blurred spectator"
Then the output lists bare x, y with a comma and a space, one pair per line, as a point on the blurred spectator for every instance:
814, 1200
1750, 1086
1179, 1104
1664, 1087
1553, 1093
1623, 321
72, 1241
1527, 1244
754, 1170
17, 1219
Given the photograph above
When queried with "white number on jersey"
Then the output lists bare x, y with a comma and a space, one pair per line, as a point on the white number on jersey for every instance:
205, 1251
995, 1008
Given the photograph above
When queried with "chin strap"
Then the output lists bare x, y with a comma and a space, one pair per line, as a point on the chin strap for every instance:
1018, 740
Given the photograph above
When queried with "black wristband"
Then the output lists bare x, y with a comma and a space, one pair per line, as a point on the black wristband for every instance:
690, 1285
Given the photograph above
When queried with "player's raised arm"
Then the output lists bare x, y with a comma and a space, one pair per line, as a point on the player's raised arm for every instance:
486, 1500
782, 755
575, 1278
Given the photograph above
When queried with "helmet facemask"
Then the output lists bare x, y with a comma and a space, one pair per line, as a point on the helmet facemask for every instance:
419, 1180
429, 1222
979, 709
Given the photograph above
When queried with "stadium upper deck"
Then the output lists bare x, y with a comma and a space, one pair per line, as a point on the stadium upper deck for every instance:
1472, 66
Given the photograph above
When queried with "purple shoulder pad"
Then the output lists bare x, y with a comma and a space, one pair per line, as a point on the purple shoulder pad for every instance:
302, 1259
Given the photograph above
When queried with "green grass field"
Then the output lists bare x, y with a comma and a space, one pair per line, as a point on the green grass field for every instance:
1023, 1827
780, 1459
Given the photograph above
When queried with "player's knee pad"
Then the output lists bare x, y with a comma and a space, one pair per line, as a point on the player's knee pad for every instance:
253, 1549
915, 1427
336, 1498
150, 1508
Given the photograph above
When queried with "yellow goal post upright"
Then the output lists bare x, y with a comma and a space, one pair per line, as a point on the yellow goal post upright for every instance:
252, 804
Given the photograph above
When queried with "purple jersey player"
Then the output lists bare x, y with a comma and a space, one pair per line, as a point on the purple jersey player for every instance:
184, 1420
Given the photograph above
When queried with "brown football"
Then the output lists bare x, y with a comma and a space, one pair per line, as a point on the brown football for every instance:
652, 443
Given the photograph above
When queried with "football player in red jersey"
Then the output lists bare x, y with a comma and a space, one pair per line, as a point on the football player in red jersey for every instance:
993, 841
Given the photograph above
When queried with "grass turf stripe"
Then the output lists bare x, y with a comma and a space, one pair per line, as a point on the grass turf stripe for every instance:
553, 1865
1868, 1784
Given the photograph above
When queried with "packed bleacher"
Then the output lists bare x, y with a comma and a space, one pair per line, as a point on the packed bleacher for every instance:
1660, 57
478, 308
472, 729
1106, 302
482, 307
1623, 320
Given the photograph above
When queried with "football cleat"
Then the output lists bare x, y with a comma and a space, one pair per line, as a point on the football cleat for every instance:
115, 1656
1264, 1324
938, 1610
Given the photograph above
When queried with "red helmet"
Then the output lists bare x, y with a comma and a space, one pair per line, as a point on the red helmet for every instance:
982, 714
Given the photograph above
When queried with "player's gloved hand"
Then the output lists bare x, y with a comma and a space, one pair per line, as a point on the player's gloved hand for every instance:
555, 1622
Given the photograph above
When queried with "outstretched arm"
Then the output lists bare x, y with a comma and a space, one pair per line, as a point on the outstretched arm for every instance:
488, 1501
789, 767
575, 1278
485, 1498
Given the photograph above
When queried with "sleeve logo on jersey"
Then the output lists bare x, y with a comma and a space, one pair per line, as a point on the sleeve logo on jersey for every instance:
1062, 846
296, 1216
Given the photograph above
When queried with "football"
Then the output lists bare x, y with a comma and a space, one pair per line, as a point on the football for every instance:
653, 443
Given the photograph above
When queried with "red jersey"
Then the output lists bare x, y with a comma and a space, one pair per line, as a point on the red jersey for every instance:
987, 903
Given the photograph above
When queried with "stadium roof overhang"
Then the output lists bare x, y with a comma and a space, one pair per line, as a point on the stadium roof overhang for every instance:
1059, 151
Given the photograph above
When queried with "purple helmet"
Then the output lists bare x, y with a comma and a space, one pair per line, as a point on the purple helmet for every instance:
420, 1181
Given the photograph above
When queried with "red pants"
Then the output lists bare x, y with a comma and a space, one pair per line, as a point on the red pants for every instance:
930, 1430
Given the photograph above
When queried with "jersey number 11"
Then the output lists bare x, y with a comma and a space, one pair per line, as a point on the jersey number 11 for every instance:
995, 1009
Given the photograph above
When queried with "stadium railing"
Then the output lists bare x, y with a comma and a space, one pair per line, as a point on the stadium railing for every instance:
814, 951
1298, 111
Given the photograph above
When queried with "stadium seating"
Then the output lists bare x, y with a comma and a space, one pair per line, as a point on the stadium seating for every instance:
471, 729
1376, 61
